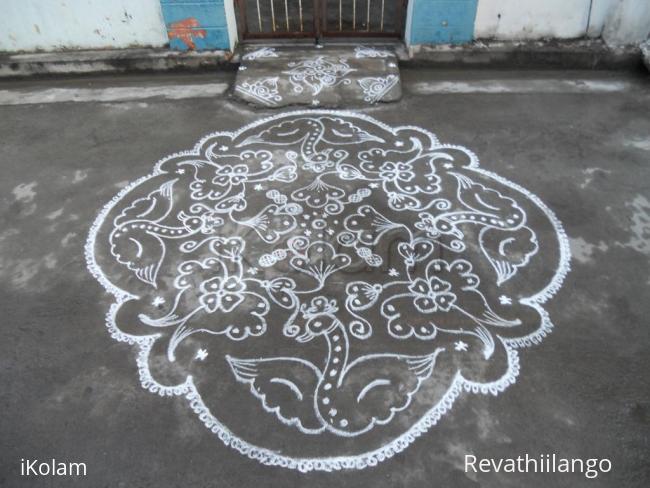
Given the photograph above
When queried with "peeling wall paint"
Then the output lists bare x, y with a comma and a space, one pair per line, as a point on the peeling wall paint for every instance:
29, 25
185, 31
196, 24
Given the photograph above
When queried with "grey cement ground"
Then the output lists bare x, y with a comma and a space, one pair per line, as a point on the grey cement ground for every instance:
71, 392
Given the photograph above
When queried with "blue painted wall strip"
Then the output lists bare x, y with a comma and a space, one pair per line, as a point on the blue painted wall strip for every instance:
443, 21
195, 24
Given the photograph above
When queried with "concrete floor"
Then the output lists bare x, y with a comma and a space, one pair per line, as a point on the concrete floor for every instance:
578, 140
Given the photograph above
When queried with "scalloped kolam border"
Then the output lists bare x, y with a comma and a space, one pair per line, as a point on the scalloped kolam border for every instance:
371, 458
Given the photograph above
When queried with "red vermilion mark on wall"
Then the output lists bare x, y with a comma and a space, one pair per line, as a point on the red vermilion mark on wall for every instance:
185, 31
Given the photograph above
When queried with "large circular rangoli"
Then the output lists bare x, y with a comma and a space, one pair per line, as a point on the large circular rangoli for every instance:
321, 287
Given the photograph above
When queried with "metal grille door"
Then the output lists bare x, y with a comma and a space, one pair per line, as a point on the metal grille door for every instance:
277, 18
318, 18
363, 18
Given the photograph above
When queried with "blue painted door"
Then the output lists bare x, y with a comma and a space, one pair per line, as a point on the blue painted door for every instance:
443, 21
196, 24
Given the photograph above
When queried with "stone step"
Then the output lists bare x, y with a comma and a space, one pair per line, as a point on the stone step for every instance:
325, 77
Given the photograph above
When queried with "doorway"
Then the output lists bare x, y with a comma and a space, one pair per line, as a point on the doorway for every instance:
269, 19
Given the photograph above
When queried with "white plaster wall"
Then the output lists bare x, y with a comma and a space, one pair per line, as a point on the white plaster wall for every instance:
231, 22
531, 19
409, 22
28, 25
626, 21
617, 21
601, 10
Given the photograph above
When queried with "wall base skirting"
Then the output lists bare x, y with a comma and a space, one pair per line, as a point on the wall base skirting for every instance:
111, 61
577, 54
551, 54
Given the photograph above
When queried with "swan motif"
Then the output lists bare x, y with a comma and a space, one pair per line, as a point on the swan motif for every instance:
312, 132
504, 239
137, 238
137, 230
347, 397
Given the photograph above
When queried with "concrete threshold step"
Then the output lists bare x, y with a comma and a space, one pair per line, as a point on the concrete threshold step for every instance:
323, 77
